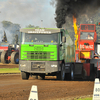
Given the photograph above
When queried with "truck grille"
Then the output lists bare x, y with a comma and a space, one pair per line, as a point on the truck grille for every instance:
38, 66
38, 55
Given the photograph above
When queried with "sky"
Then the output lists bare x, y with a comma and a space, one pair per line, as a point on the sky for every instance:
25, 12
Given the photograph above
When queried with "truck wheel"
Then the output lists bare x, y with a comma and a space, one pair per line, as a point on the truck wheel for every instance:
4, 57
70, 76
63, 72
61, 75
15, 57
24, 75
72, 72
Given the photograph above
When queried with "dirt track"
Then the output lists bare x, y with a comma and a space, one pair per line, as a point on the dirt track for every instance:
9, 65
12, 87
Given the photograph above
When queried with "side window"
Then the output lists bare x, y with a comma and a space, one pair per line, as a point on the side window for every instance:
61, 35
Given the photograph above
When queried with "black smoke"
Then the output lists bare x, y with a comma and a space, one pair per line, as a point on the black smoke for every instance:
68, 8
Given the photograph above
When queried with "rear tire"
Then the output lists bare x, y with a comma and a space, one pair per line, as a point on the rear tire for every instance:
70, 76
4, 57
72, 72
24, 75
62, 72
15, 57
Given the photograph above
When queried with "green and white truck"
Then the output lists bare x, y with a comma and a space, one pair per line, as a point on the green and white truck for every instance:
46, 51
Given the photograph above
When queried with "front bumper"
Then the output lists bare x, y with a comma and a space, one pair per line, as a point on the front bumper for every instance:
39, 66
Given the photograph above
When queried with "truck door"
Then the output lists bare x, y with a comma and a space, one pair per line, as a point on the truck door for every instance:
62, 47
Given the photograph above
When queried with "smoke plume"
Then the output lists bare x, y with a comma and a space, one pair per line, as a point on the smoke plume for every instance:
78, 8
11, 29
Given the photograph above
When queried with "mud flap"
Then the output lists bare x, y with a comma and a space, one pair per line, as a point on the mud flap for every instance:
89, 71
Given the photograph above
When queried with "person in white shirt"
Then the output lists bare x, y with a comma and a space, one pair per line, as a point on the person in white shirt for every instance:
89, 36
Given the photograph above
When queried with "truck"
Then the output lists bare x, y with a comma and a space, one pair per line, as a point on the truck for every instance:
51, 52
44, 52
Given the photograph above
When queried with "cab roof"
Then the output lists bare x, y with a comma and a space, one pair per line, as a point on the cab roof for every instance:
41, 30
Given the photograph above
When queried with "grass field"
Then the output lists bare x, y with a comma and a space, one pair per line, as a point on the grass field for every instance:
9, 70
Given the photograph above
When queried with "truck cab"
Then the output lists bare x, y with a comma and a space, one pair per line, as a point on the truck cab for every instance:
42, 52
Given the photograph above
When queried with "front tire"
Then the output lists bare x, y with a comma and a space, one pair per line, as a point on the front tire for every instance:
61, 75
24, 75
63, 72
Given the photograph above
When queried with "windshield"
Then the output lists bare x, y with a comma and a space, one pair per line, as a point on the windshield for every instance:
87, 35
39, 38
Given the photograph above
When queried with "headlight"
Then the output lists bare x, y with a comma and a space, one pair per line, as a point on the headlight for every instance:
23, 65
53, 65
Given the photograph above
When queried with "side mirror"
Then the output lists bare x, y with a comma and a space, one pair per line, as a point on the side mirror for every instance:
60, 44
63, 39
